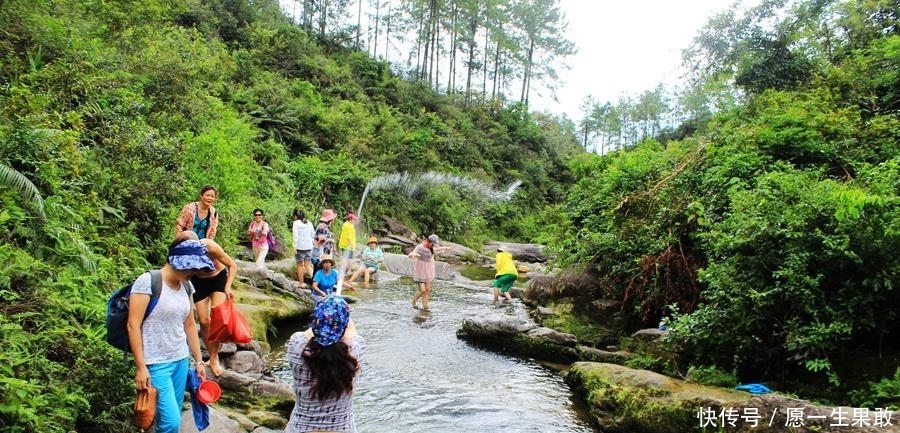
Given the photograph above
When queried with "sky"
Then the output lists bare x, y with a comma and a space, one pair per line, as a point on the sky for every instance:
624, 48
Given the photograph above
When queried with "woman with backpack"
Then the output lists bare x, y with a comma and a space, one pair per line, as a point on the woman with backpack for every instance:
200, 216
325, 361
259, 237
165, 343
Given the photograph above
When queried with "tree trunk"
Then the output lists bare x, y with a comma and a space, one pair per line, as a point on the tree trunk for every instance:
485, 67
496, 85
377, 21
358, 23
451, 73
473, 27
387, 34
526, 74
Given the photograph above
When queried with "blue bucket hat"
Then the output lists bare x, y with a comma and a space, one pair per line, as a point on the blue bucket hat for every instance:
190, 255
329, 320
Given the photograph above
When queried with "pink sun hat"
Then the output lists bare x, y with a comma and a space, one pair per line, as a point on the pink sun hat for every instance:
328, 215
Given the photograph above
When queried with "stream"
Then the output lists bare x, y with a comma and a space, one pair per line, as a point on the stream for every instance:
418, 377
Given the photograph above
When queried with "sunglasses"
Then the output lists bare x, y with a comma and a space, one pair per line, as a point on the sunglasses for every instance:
257, 214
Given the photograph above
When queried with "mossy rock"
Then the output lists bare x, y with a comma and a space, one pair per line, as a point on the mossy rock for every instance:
541, 349
564, 319
622, 399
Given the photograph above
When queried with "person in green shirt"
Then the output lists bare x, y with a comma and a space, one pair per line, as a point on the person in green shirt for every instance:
506, 274
372, 257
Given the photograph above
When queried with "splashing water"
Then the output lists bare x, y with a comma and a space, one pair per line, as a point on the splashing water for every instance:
411, 184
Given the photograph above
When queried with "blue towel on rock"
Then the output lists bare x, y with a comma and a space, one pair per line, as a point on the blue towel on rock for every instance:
200, 409
753, 388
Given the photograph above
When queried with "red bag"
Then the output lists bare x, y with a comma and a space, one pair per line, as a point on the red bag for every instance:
228, 325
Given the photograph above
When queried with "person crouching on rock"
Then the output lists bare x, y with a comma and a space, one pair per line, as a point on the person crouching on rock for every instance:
506, 274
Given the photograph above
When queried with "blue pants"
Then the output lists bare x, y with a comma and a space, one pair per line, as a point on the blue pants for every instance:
169, 379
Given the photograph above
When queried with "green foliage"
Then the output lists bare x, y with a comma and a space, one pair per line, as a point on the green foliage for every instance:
882, 394
711, 375
766, 244
114, 114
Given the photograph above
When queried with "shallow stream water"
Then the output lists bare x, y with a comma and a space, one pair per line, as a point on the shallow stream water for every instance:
419, 377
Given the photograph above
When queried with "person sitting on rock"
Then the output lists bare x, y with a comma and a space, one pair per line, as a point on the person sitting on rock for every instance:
325, 279
372, 257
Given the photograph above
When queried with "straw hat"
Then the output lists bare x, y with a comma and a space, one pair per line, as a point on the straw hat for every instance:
372, 240
326, 257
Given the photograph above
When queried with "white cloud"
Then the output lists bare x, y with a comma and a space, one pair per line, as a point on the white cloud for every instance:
625, 47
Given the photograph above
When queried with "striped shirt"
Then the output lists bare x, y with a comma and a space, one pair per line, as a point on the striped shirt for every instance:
311, 414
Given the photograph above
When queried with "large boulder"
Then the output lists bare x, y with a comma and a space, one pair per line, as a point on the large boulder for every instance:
521, 337
219, 422
397, 227
400, 264
530, 253
623, 399
456, 253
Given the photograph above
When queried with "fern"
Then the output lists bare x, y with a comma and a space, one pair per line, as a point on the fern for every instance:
12, 178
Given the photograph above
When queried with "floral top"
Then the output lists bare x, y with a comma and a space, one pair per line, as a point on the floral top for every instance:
189, 219
258, 232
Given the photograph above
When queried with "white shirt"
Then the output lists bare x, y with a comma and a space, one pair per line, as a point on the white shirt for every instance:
303, 235
162, 332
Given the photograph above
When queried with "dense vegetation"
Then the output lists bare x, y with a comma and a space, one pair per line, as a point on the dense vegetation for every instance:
114, 114
765, 236
767, 242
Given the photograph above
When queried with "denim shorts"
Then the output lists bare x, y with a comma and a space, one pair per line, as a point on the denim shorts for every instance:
302, 255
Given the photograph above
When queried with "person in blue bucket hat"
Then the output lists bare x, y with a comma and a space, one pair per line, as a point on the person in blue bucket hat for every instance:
325, 361
166, 341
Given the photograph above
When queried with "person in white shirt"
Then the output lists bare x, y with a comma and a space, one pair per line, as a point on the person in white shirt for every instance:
303, 232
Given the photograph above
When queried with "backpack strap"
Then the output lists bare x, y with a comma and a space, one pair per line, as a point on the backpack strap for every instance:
189, 288
155, 290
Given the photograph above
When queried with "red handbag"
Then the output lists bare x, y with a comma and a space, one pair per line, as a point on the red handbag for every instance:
228, 325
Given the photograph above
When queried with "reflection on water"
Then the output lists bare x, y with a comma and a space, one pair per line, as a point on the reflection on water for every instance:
419, 377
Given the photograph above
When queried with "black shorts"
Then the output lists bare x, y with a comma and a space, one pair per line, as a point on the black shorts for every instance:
203, 287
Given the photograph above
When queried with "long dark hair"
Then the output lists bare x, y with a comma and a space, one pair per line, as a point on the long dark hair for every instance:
300, 215
332, 368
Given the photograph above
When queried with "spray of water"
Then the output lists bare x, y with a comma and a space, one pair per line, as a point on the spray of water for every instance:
410, 185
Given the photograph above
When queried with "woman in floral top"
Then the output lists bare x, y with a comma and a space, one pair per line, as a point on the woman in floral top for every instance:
259, 232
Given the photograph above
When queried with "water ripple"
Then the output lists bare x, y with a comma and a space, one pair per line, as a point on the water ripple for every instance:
418, 377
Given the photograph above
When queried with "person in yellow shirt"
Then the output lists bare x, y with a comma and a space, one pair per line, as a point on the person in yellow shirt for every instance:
347, 243
506, 274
